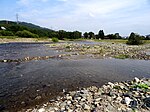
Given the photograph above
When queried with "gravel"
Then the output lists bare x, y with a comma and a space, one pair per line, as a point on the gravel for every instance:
127, 96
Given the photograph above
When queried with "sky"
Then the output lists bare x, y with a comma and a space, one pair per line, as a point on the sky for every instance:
112, 16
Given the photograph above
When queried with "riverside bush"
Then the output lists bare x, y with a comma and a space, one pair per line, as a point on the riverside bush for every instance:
27, 34
54, 39
6, 33
135, 39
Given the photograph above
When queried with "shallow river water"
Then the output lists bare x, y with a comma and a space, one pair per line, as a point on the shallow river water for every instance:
29, 83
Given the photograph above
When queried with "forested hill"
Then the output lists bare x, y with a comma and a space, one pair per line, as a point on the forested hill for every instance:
14, 27
29, 25
24, 29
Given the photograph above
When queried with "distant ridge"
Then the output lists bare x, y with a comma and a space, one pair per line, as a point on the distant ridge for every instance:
35, 29
29, 25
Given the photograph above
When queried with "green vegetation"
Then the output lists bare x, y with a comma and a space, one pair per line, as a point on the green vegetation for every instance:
35, 31
54, 39
122, 56
146, 41
28, 30
114, 36
101, 34
6, 33
141, 86
27, 34
135, 39
8, 37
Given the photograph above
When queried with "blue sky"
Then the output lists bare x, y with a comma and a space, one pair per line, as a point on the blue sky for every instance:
123, 16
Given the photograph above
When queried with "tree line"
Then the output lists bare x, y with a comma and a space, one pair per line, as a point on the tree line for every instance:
101, 35
29, 30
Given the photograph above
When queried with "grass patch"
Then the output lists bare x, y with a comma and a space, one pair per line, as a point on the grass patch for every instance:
121, 56
147, 41
141, 86
8, 37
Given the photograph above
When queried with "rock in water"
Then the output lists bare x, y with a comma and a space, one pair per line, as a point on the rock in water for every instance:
136, 79
127, 100
147, 102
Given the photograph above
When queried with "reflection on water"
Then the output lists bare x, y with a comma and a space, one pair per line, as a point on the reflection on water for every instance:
23, 82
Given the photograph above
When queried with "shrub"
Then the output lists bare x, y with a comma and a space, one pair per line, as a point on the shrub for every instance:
135, 39
122, 56
54, 39
27, 34
6, 33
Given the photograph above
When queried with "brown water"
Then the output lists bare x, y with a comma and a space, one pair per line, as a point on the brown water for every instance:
29, 83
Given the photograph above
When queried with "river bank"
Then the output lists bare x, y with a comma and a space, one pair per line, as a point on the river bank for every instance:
29, 40
127, 96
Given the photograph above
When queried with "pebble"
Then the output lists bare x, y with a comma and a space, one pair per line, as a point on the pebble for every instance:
86, 107
136, 79
109, 98
127, 100
4, 61
41, 110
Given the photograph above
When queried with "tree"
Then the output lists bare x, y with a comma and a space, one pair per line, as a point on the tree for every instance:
134, 39
6, 33
62, 34
117, 36
85, 35
147, 37
77, 34
26, 34
53, 34
101, 34
91, 35
114, 36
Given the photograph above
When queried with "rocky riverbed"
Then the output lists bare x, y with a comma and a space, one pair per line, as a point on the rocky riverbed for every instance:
79, 50
103, 50
128, 96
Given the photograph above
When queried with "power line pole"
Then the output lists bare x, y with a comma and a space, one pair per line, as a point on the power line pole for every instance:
6, 22
17, 17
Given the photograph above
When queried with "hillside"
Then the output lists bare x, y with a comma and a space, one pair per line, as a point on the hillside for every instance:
29, 29
14, 27
25, 24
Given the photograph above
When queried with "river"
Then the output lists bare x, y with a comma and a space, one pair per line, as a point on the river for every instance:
26, 84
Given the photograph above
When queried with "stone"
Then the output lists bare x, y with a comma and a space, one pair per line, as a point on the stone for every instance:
69, 102
127, 100
4, 61
69, 97
98, 99
69, 110
147, 101
41, 110
133, 104
62, 109
86, 107
136, 79
63, 104
111, 84
38, 97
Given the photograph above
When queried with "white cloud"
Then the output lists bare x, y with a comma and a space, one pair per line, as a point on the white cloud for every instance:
91, 15
23, 2
29, 2
63, 0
